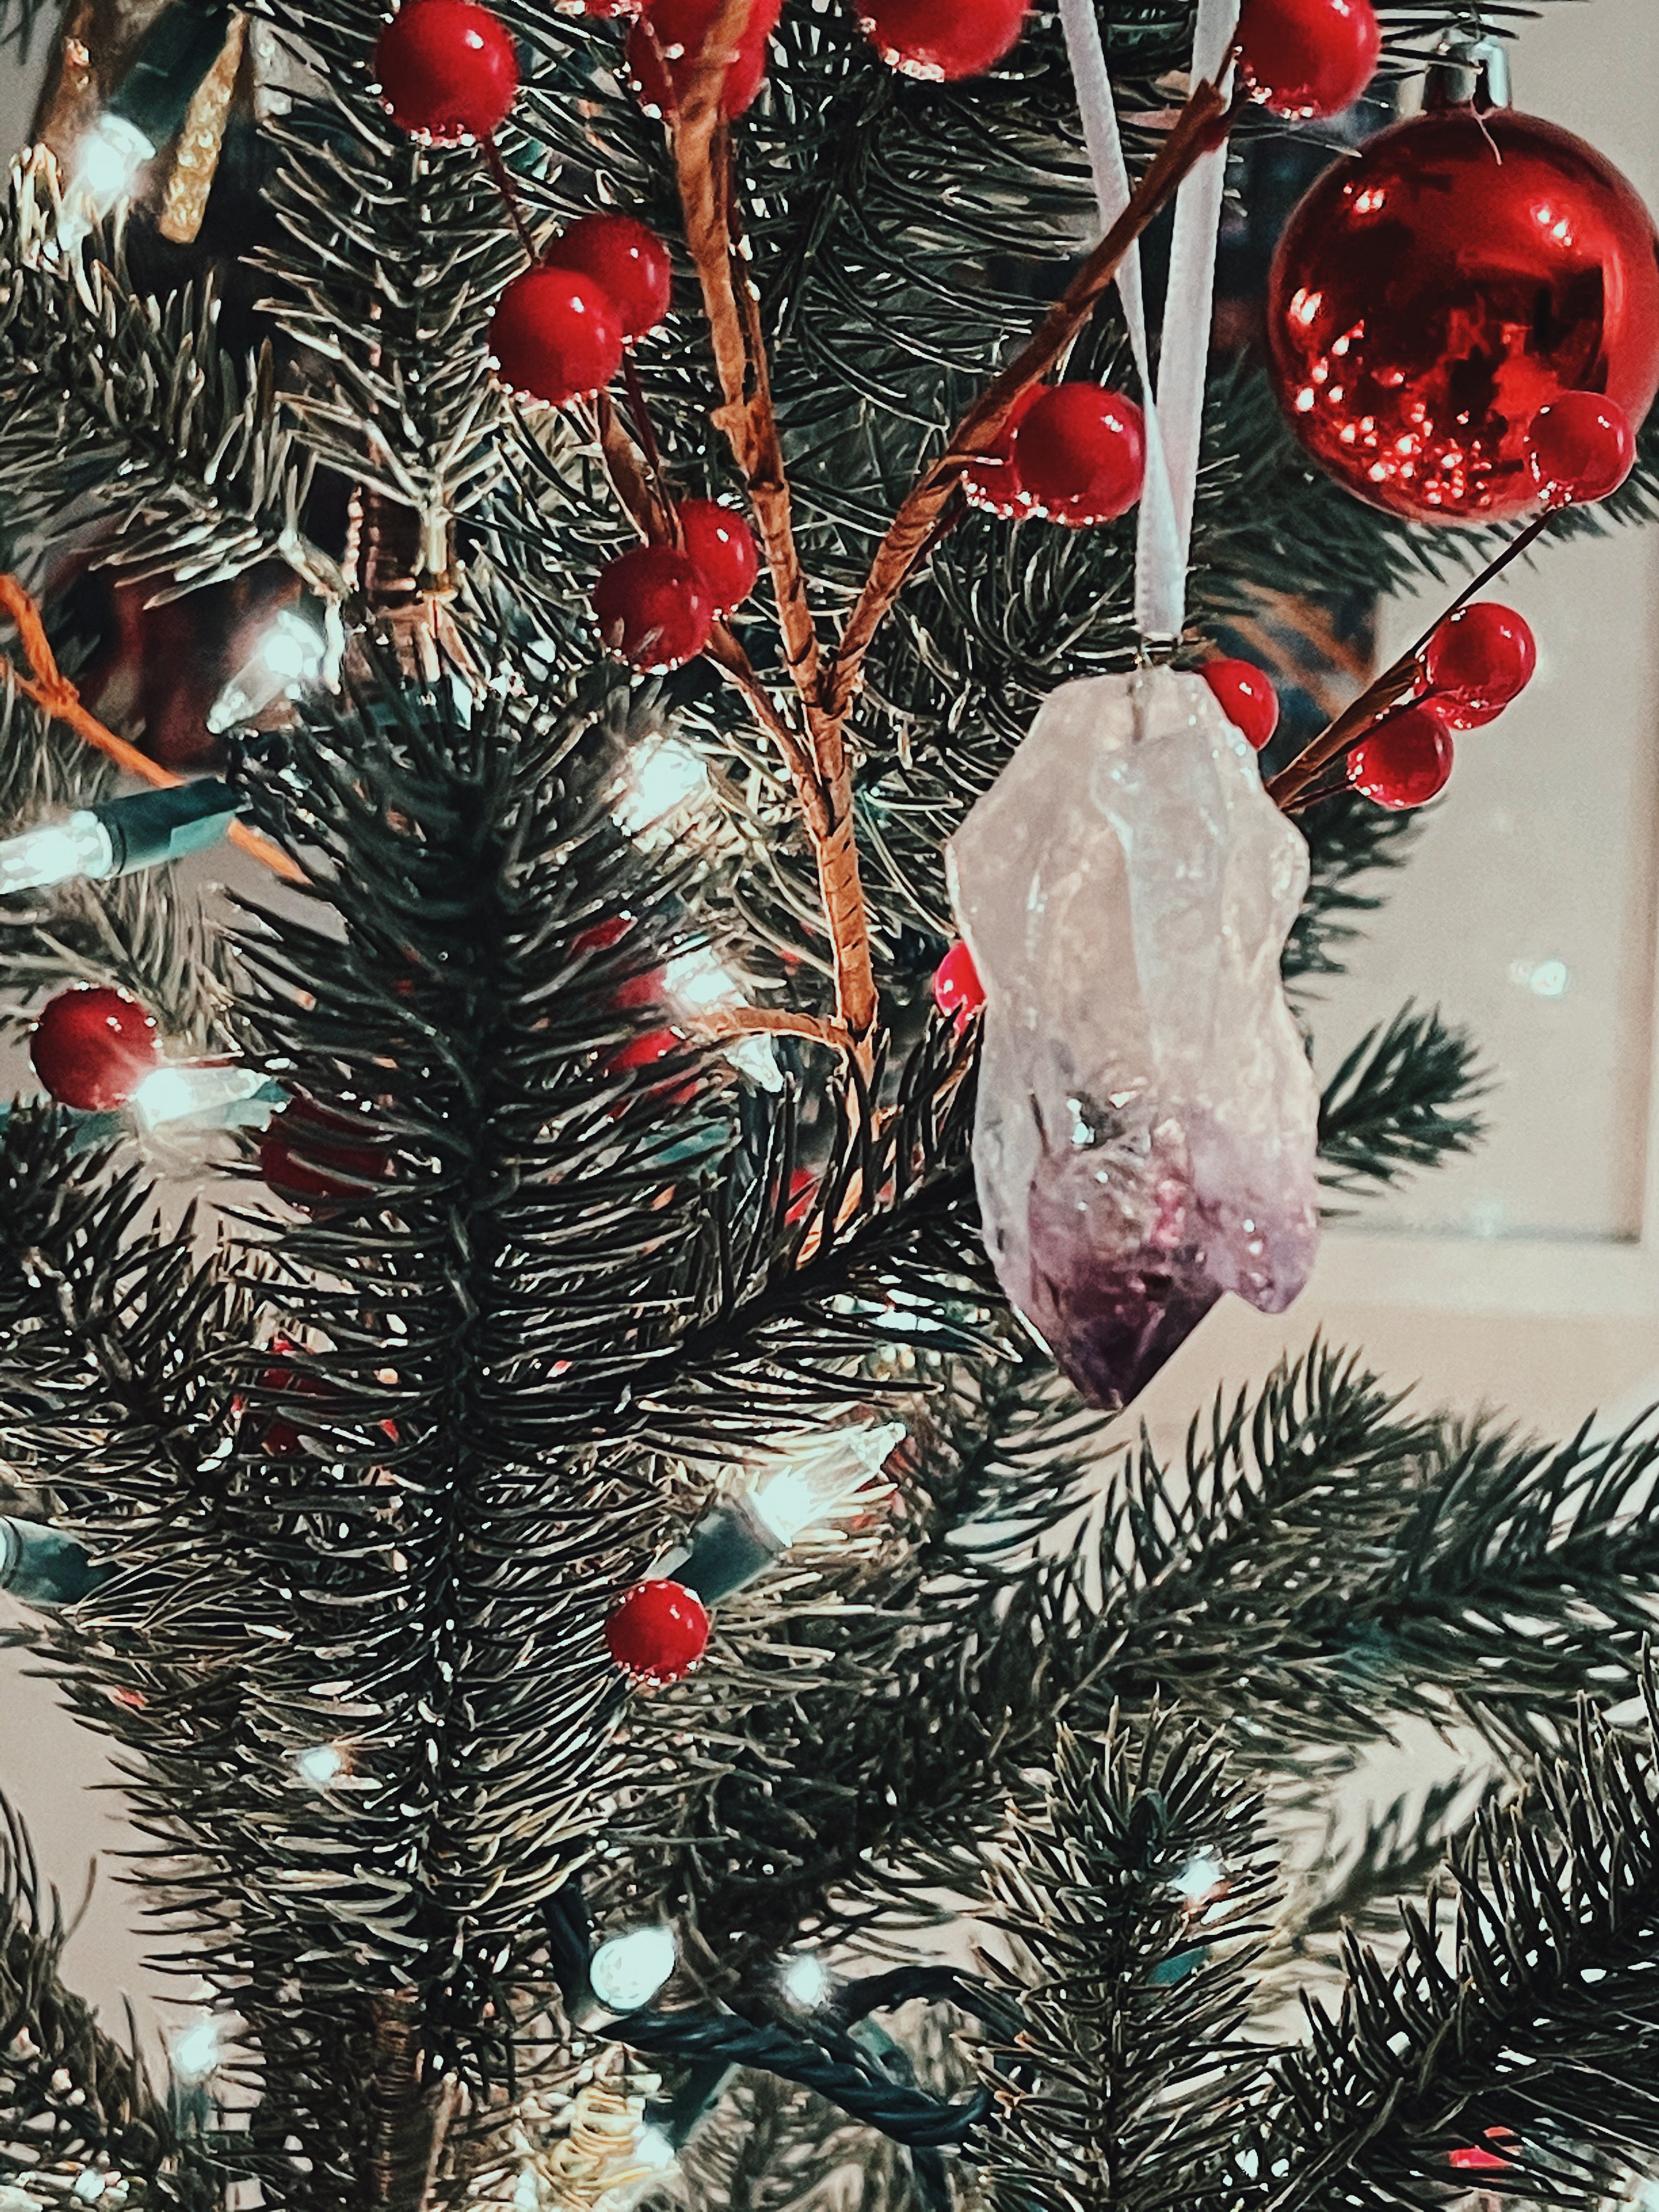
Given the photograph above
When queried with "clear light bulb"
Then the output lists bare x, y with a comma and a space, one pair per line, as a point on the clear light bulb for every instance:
104, 169
319, 1764
698, 984
289, 655
223, 1094
36, 859
626, 1972
815, 1482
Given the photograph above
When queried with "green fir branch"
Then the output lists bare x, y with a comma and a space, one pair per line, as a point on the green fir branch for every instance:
1390, 1107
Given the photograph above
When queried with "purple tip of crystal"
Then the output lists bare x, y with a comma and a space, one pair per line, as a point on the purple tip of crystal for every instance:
1110, 1328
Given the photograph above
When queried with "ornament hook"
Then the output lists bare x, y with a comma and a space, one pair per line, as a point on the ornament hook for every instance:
1468, 70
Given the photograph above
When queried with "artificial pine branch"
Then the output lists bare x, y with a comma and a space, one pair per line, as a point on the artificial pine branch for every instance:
1389, 1107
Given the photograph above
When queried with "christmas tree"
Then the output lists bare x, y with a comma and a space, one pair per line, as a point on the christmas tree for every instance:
641, 1674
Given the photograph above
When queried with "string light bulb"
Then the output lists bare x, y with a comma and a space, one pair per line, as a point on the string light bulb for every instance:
223, 1094
195, 2052
107, 158
144, 831
806, 1979
290, 655
808, 1486
662, 778
321, 1764
627, 1971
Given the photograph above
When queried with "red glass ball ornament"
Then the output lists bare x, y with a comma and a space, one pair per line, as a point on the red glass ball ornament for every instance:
659, 1631
1081, 455
1432, 293
629, 263
653, 608
721, 546
1308, 57
991, 483
1478, 662
1580, 447
942, 39
447, 70
671, 33
1247, 698
1405, 762
316, 1158
958, 991
92, 1048
555, 335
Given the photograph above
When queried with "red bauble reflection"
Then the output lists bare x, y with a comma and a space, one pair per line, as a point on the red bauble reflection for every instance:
659, 1631
1405, 762
1432, 295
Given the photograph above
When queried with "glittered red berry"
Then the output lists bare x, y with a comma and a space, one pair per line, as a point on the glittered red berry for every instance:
991, 483
1081, 455
941, 39
447, 70
1478, 661
1246, 697
670, 35
1405, 762
654, 607
629, 263
659, 1631
92, 1048
1308, 57
958, 991
556, 336
721, 546
316, 1158
1580, 447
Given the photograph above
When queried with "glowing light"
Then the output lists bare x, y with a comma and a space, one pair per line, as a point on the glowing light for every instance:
698, 984
1304, 308
1304, 399
319, 1764
290, 655
1371, 201
1549, 979
1198, 1877
179, 1094
195, 2052
663, 776
806, 1979
814, 1484
104, 170
36, 859
626, 1972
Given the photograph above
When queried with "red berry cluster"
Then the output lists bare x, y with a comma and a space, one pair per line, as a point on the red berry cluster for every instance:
1476, 663
658, 606
941, 38
1074, 454
560, 331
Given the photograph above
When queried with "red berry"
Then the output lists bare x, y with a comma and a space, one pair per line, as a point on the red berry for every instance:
92, 1048
993, 481
958, 991
555, 335
654, 607
942, 38
673, 31
447, 70
1580, 447
629, 263
659, 1631
1308, 57
1081, 455
1477, 663
1247, 699
1405, 761
313, 1157
721, 546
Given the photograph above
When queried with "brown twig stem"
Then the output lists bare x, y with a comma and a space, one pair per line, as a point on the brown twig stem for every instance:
770, 1021
912, 530
55, 695
510, 192
1288, 788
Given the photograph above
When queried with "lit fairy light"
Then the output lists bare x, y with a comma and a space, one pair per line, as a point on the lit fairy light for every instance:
183, 1094
320, 1764
626, 1972
813, 1485
291, 654
806, 1979
1200, 1878
53, 852
196, 2053
699, 984
103, 170
663, 778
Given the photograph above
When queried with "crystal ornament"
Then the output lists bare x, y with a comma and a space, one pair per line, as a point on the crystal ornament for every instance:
1146, 1129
